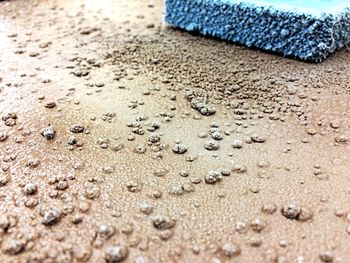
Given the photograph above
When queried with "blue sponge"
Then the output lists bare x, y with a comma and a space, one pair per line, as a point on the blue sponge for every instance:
309, 30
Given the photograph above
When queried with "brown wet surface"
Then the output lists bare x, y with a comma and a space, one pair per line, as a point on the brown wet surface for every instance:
118, 192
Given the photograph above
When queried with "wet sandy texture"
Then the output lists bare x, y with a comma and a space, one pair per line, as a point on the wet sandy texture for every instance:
162, 146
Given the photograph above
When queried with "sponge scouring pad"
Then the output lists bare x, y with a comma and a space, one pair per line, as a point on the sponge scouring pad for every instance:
309, 30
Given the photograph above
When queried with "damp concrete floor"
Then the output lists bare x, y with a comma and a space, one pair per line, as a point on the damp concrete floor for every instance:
125, 140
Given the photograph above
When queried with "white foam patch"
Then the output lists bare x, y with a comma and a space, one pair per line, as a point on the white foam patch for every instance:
311, 7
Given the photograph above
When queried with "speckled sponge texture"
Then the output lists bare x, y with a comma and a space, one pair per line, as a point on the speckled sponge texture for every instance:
309, 30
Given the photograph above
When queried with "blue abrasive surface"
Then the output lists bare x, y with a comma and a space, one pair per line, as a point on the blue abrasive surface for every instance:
309, 30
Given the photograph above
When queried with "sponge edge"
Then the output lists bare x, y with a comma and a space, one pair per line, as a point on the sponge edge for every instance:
305, 36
